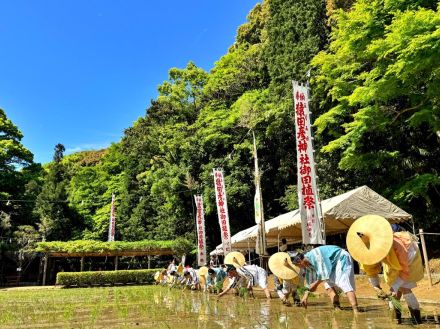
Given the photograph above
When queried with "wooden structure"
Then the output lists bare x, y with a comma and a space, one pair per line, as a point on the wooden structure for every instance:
91, 248
116, 254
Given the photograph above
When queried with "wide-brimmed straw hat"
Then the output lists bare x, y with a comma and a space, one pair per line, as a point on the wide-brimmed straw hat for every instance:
235, 258
369, 239
281, 265
203, 271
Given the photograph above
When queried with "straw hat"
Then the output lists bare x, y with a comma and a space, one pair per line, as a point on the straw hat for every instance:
369, 239
203, 271
235, 258
281, 265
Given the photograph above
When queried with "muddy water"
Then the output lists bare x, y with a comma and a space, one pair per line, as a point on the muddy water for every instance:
234, 312
160, 307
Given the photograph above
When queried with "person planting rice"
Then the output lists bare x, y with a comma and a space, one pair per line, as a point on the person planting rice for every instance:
379, 246
285, 288
286, 276
160, 277
202, 273
244, 276
175, 279
247, 276
215, 279
191, 279
332, 265
172, 266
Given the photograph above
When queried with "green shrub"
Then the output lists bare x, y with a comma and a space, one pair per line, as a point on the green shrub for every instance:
83, 279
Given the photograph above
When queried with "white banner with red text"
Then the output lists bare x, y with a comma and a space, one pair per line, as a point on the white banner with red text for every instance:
112, 226
308, 197
201, 237
222, 210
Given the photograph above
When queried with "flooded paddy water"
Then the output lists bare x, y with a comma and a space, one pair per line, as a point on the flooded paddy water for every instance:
160, 307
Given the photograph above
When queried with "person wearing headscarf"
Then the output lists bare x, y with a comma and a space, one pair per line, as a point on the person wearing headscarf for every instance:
247, 276
331, 265
215, 279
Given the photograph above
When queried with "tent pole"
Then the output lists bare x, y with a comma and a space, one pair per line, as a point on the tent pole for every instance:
249, 253
278, 241
425, 256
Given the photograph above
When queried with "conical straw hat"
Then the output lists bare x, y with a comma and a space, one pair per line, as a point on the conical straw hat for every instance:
281, 265
369, 239
235, 258
203, 271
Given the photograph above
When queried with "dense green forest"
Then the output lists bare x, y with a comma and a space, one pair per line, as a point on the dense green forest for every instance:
375, 80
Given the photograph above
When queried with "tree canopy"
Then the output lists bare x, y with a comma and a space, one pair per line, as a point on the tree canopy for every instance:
374, 75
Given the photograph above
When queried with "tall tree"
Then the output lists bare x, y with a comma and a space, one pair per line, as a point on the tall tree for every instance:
56, 220
15, 164
380, 116
13, 155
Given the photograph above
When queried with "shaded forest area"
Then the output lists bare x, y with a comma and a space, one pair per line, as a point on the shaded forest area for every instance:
375, 80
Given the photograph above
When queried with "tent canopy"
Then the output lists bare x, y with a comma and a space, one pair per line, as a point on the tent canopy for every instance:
339, 213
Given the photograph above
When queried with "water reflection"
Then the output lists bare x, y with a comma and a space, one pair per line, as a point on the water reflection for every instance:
192, 308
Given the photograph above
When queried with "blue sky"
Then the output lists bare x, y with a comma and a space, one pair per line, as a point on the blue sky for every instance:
80, 72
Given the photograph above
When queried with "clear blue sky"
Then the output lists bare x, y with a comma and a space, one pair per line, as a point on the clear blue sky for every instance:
80, 72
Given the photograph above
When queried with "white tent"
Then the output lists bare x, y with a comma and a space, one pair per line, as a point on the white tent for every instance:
240, 241
339, 213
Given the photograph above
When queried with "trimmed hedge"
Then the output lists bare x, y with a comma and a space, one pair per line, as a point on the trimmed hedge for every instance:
82, 279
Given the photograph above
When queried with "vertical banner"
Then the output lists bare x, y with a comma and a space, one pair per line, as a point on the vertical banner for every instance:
260, 247
111, 228
310, 206
222, 210
201, 240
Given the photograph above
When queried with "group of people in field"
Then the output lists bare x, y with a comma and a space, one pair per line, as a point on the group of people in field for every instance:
378, 247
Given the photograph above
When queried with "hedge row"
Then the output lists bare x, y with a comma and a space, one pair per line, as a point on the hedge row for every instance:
85, 279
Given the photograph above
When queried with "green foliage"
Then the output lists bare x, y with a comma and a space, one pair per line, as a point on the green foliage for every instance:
296, 32
26, 237
12, 152
418, 187
375, 86
87, 279
95, 176
16, 165
179, 246
57, 221
380, 112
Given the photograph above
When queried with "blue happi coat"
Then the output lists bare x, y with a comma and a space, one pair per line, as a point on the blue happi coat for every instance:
323, 262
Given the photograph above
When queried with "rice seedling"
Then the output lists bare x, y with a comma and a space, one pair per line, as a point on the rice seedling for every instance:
127, 306
68, 313
395, 302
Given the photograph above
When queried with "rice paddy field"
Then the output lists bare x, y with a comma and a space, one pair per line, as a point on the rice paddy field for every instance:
161, 307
